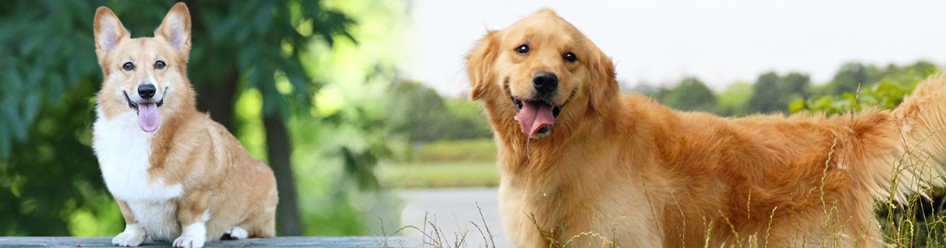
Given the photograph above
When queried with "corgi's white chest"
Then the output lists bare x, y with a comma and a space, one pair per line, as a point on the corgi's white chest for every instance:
123, 151
159, 219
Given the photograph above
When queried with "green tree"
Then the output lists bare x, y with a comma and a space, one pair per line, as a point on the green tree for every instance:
887, 90
423, 115
765, 94
691, 95
773, 93
850, 76
50, 73
732, 101
417, 111
467, 120
796, 85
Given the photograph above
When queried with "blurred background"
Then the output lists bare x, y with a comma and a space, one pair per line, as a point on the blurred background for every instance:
361, 107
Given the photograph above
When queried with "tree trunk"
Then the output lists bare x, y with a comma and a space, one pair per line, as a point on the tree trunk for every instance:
279, 148
217, 99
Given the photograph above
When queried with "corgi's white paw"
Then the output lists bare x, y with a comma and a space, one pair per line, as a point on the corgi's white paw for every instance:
193, 236
189, 241
132, 236
237, 233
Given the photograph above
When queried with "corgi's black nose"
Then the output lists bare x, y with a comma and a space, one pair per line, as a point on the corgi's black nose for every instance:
545, 82
146, 91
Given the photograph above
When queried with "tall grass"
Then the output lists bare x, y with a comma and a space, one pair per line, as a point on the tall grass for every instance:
432, 236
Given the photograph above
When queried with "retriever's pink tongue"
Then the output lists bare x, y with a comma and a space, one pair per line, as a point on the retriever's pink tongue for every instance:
148, 118
534, 116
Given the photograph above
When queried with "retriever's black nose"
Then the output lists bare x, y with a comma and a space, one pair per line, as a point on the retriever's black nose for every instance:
545, 82
146, 91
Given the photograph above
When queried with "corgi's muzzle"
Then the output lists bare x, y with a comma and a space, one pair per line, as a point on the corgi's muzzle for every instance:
147, 107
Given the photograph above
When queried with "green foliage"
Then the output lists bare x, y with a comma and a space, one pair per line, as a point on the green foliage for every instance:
424, 116
52, 177
885, 95
893, 84
264, 41
40, 68
773, 93
468, 120
690, 95
417, 111
732, 101
851, 76
47, 170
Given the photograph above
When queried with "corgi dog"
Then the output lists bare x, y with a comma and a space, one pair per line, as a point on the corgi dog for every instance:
176, 174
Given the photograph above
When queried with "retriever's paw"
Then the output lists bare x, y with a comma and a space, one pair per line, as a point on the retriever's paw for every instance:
189, 241
132, 236
237, 233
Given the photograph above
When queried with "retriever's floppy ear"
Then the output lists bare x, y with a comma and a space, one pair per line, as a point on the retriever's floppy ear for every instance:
108, 31
176, 28
479, 64
603, 88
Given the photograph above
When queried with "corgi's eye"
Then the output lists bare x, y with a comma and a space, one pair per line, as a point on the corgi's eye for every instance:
522, 49
159, 65
128, 66
570, 57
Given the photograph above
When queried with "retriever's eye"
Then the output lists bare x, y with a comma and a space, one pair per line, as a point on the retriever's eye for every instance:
570, 57
128, 66
522, 49
159, 65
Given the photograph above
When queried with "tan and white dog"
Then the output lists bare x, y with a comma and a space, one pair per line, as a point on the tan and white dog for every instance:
175, 173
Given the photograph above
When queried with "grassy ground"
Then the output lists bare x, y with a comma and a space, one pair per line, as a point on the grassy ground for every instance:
444, 164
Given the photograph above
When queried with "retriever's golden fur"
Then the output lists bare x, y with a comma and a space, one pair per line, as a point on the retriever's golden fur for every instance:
627, 171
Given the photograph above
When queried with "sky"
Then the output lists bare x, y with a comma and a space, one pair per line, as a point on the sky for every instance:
721, 42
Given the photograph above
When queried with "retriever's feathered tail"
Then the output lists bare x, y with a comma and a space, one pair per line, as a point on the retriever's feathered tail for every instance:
921, 120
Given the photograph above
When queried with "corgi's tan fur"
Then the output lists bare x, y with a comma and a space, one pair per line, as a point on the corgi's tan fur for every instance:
176, 174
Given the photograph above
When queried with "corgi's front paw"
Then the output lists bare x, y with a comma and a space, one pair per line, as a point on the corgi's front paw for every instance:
193, 236
132, 236
190, 241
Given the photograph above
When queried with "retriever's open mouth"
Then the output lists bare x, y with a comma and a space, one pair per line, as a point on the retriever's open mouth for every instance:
536, 117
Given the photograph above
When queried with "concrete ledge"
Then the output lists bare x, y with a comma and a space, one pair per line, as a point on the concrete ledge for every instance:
354, 242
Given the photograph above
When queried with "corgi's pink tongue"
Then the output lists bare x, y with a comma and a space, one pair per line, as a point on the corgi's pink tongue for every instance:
533, 116
148, 118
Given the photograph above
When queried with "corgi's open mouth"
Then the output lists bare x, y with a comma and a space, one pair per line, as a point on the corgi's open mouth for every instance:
148, 118
536, 117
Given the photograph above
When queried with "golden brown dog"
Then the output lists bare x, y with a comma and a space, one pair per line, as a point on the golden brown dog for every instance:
583, 166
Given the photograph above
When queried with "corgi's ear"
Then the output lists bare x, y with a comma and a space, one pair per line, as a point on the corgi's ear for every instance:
108, 31
176, 28
479, 64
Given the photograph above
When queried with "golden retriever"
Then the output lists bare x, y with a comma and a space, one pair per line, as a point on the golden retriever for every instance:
583, 166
